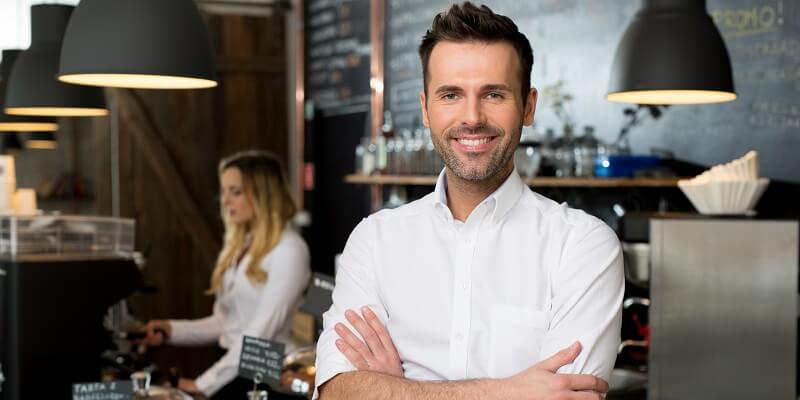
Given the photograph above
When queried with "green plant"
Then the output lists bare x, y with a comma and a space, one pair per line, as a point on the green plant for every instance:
558, 100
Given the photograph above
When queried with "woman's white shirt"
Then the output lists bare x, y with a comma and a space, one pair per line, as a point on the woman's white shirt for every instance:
243, 308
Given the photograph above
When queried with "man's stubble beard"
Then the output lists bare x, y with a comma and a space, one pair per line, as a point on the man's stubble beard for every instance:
498, 161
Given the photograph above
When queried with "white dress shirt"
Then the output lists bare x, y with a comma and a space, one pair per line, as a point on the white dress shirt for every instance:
244, 308
522, 278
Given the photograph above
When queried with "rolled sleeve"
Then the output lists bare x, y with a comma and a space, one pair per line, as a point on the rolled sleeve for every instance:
199, 332
355, 288
588, 289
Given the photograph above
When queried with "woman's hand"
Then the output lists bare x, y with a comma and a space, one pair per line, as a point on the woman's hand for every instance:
158, 332
187, 385
378, 354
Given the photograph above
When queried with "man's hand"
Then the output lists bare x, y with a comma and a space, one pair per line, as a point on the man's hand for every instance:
542, 382
378, 354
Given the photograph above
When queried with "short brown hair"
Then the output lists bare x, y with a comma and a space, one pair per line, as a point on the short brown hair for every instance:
467, 22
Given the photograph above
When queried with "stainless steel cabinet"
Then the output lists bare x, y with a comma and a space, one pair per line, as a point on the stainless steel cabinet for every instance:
724, 309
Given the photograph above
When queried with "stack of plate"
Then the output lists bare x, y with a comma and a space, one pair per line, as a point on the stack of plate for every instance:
729, 189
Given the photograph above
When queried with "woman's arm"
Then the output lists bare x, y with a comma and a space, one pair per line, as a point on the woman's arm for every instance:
198, 332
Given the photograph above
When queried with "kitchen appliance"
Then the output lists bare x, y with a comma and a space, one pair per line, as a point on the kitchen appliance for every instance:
636, 258
58, 278
723, 313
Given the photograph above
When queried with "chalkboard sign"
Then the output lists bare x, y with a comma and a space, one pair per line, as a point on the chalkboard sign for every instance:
119, 390
406, 23
261, 360
338, 43
574, 41
319, 296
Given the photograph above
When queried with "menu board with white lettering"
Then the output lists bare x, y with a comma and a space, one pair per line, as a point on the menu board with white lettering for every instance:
338, 46
118, 390
574, 41
406, 24
261, 360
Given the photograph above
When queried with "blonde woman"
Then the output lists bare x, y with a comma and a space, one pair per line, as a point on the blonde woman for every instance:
259, 277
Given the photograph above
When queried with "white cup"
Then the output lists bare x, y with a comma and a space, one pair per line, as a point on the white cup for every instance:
25, 201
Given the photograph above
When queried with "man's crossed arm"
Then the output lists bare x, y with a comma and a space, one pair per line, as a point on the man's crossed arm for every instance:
380, 373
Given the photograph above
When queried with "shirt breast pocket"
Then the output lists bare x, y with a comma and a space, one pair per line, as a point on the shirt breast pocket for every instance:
516, 335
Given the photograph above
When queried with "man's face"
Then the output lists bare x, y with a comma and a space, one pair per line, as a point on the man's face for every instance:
474, 107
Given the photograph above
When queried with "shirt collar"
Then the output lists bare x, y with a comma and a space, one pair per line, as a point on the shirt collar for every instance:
440, 195
504, 198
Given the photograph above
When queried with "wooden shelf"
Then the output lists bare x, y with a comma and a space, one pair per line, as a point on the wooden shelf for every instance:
424, 180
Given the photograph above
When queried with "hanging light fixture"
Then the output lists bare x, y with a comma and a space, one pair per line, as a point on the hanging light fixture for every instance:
140, 44
13, 123
671, 53
33, 88
41, 140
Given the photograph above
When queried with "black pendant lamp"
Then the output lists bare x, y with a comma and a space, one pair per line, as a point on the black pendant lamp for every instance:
672, 53
41, 141
13, 123
141, 44
33, 88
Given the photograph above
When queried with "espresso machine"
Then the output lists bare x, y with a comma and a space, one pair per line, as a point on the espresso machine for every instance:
59, 276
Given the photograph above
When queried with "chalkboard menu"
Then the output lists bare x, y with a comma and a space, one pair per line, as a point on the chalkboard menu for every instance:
574, 41
338, 50
406, 24
261, 360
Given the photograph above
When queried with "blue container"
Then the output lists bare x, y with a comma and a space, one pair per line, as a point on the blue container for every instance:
618, 166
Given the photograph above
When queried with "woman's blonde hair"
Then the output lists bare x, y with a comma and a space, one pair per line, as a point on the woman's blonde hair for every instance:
265, 189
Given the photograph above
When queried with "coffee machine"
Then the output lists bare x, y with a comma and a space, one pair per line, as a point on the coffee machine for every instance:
58, 278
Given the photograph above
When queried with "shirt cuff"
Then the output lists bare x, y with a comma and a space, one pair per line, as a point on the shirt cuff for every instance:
180, 334
208, 384
324, 374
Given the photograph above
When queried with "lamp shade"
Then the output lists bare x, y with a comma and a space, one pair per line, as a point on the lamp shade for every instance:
41, 140
141, 44
33, 88
13, 123
671, 53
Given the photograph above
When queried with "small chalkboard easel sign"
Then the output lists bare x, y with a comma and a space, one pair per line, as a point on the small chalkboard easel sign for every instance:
117, 390
261, 361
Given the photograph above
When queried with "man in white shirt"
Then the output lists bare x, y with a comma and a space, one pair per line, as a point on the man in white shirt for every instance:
482, 289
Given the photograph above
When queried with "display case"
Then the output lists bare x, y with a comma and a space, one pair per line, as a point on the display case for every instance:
46, 235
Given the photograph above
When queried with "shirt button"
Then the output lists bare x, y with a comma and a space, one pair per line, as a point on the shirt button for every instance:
459, 337
465, 286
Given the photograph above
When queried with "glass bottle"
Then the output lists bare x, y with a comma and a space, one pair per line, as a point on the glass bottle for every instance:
386, 132
585, 152
565, 153
403, 153
370, 155
359, 160
391, 157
